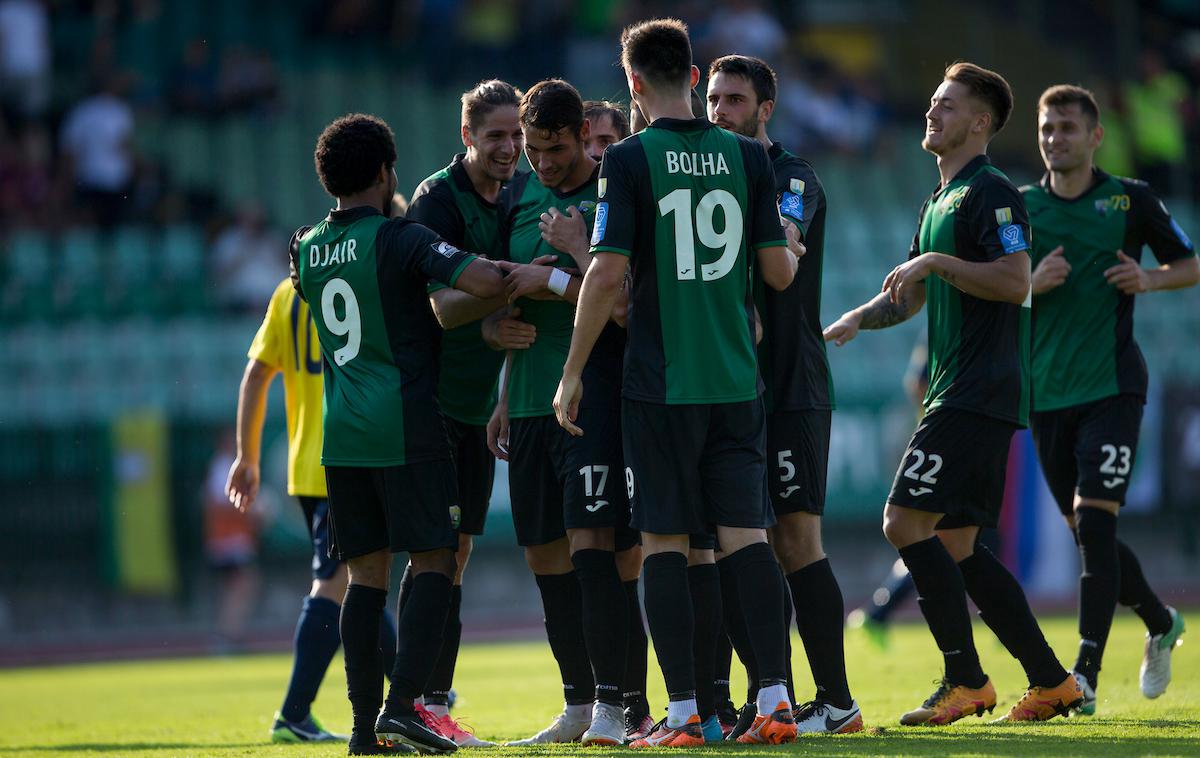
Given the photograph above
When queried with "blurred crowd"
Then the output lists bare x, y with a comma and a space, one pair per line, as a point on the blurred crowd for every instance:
80, 78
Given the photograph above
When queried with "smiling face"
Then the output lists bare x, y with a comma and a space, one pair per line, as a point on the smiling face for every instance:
952, 117
733, 105
495, 145
555, 156
1067, 137
602, 133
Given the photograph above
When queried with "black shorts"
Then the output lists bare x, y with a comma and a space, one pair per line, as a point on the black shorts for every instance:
476, 469
798, 460
559, 482
690, 468
1089, 448
316, 518
955, 465
399, 508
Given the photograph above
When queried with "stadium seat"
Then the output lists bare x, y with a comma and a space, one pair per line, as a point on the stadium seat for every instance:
84, 288
28, 285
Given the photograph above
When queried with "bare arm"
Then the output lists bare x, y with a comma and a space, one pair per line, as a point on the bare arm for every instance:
1132, 279
777, 266
878, 313
1005, 280
242, 485
454, 307
497, 426
481, 278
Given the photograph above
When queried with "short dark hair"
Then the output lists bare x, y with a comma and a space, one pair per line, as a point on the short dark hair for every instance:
754, 70
486, 97
351, 150
659, 50
552, 105
987, 86
594, 109
1062, 95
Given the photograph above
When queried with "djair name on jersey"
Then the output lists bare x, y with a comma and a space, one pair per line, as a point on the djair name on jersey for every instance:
696, 164
342, 252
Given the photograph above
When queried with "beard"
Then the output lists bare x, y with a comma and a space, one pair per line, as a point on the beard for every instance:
951, 141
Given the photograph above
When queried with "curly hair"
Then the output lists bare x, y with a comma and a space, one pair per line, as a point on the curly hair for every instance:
351, 150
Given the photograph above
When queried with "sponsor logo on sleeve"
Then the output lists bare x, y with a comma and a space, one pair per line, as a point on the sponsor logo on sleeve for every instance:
1004, 216
601, 223
1012, 238
791, 205
444, 249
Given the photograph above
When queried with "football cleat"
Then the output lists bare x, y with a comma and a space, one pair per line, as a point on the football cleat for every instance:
745, 720
607, 727
1155, 673
410, 728
564, 728
727, 714
308, 730
1088, 706
379, 747
638, 723
951, 702
459, 732
687, 735
776, 729
711, 727
1044, 703
818, 717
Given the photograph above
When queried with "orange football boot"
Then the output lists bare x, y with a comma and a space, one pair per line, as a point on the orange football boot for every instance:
776, 729
1044, 703
688, 735
950, 702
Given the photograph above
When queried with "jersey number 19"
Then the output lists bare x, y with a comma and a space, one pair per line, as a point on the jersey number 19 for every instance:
679, 202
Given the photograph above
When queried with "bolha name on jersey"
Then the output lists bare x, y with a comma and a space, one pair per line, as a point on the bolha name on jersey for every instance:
696, 164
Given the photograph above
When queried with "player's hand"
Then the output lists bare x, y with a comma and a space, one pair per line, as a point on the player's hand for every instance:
242, 485
565, 232
497, 432
509, 332
566, 403
794, 243
844, 329
1051, 272
910, 272
1128, 276
530, 279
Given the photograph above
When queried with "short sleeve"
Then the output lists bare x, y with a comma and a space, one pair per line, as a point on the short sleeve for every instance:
914, 249
800, 198
1156, 227
613, 229
268, 344
764, 226
996, 218
294, 260
433, 206
419, 252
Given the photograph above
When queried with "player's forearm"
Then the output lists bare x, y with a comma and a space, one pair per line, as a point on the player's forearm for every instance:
597, 297
1005, 279
454, 308
252, 409
880, 312
1175, 275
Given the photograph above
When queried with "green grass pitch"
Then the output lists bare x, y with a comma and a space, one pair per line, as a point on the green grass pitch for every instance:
223, 706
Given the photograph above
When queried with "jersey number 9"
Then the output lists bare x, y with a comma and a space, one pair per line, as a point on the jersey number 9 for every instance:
350, 326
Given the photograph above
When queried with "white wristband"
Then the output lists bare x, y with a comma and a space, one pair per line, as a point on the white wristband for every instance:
559, 280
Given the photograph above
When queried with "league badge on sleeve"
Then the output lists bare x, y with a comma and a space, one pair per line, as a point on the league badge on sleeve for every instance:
1012, 238
791, 205
444, 248
600, 224
1004, 216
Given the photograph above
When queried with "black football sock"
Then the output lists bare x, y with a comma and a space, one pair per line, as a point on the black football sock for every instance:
735, 626
361, 609
723, 661
891, 595
1003, 607
562, 604
669, 612
406, 582
314, 645
605, 626
633, 683
1099, 584
943, 600
761, 591
420, 638
387, 641
1135, 593
789, 612
820, 611
704, 582
437, 689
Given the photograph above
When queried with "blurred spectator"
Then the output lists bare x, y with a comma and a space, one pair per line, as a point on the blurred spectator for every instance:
1157, 104
24, 57
829, 111
249, 82
231, 547
747, 28
1115, 154
194, 81
249, 259
96, 141
26, 181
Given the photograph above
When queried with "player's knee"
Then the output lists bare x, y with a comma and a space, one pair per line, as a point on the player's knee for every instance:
333, 588
797, 540
590, 539
629, 563
701, 556
551, 558
436, 561
370, 570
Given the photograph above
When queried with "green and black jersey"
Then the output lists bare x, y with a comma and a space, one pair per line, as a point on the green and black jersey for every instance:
978, 349
448, 204
688, 202
1083, 346
537, 369
364, 278
791, 356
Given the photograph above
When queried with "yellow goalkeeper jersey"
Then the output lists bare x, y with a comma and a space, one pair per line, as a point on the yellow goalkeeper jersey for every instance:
287, 340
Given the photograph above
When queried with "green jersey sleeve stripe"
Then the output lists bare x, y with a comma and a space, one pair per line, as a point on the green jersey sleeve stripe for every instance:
462, 267
770, 243
609, 249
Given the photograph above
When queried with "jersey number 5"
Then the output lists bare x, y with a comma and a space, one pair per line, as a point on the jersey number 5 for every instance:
350, 326
679, 202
